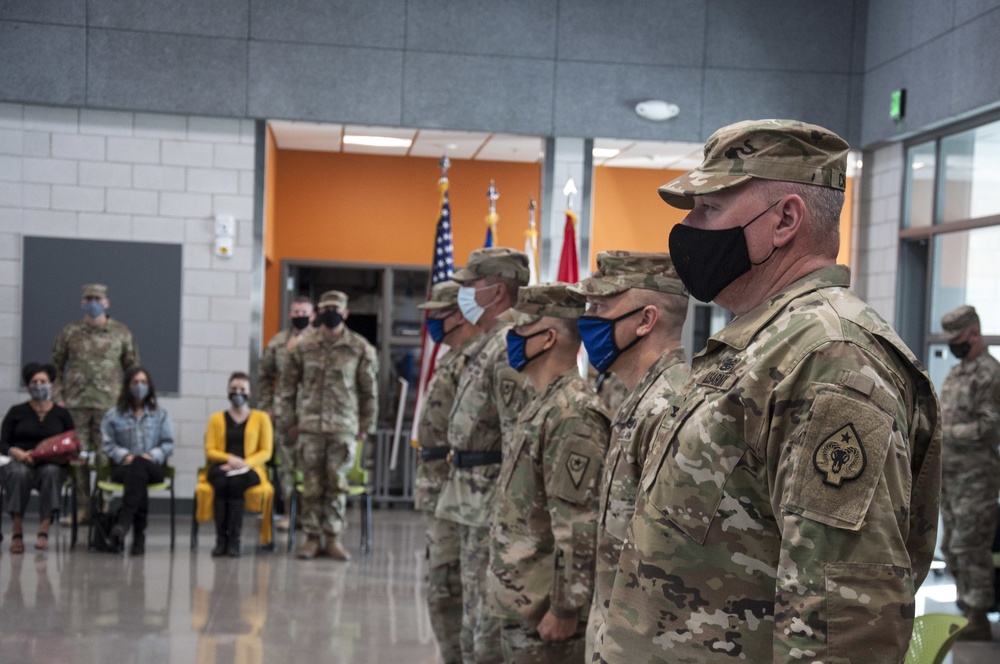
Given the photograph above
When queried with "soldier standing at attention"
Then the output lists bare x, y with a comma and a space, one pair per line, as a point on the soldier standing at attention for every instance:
328, 402
487, 400
788, 511
445, 324
970, 417
90, 356
636, 309
541, 574
272, 363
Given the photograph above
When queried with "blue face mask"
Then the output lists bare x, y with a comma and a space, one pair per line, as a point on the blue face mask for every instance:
93, 308
598, 336
516, 355
435, 328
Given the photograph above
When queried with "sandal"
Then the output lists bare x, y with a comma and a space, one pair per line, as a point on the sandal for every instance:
42, 542
17, 543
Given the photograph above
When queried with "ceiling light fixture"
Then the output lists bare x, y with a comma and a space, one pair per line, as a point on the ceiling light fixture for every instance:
605, 153
657, 110
378, 141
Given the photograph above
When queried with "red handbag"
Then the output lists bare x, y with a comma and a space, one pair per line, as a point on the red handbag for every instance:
60, 449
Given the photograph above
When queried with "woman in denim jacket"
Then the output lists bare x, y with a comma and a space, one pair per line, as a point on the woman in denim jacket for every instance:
137, 437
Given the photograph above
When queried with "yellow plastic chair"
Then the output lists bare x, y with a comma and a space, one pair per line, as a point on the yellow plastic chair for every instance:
104, 483
258, 499
933, 636
357, 485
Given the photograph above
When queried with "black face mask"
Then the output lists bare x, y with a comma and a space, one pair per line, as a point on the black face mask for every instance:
960, 350
331, 318
238, 399
300, 322
708, 261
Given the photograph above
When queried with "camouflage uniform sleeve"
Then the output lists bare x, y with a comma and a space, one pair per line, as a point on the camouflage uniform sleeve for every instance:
840, 493
367, 385
986, 412
60, 354
573, 462
130, 352
267, 375
285, 397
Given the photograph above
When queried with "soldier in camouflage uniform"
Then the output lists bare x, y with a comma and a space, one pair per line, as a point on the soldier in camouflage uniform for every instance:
272, 362
447, 325
541, 573
328, 402
970, 417
788, 511
90, 356
636, 309
487, 400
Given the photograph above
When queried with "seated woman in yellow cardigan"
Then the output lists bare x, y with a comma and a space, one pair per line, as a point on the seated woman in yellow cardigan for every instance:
238, 442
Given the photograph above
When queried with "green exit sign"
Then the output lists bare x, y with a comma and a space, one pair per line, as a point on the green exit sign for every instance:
897, 104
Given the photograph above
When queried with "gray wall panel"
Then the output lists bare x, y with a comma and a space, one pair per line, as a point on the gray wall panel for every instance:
54, 73
892, 22
483, 27
60, 12
776, 34
878, 84
966, 10
335, 83
732, 95
337, 22
593, 97
170, 73
212, 18
651, 32
975, 56
931, 19
478, 93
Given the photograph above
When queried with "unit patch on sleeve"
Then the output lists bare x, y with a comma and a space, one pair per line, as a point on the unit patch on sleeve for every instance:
841, 457
577, 464
507, 389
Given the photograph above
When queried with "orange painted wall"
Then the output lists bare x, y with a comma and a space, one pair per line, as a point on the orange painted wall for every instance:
374, 209
630, 215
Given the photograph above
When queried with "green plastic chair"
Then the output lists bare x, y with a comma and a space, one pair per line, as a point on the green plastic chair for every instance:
933, 636
104, 483
357, 485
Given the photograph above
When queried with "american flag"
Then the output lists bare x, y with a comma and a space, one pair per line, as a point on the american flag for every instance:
442, 267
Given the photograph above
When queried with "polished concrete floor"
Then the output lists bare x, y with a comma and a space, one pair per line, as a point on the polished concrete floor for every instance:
79, 607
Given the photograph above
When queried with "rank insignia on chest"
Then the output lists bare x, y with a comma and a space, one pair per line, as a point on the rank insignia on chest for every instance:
507, 389
577, 464
841, 457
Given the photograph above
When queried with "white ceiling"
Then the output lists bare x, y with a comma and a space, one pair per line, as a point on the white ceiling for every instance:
478, 146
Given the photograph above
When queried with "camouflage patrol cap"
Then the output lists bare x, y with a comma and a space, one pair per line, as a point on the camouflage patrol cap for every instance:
333, 298
959, 320
443, 295
494, 262
94, 290
536, 302
618, 271
784, 150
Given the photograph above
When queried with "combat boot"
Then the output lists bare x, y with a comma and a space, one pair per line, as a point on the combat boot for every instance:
334, 549
978, 628
309, 549
234, 524
220, 528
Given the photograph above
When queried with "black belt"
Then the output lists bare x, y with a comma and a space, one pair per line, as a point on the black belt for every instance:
434, 453
469, 459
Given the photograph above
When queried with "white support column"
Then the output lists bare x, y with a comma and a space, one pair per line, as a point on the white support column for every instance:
565, 158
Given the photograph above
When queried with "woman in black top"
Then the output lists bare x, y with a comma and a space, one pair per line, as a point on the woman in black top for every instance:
24, 426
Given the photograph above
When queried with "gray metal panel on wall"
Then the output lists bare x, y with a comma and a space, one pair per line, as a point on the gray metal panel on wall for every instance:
42, 63
335, 22
524, 28
889, 31
144, 289
64, 12
209, 18
931, 19
490, 93
651, 32
336, 83
734, 94
966, 10
809, 40
594, 99
169, 73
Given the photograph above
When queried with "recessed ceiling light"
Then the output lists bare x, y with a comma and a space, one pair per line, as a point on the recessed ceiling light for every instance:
605, 153
378, 141
918, 165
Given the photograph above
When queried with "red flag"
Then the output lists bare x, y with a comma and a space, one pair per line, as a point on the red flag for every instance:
569, 262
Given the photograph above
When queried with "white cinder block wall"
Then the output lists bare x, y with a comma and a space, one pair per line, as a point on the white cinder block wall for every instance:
878, 240
101, 175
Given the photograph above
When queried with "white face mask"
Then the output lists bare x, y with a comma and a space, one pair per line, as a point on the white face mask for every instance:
467, 303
